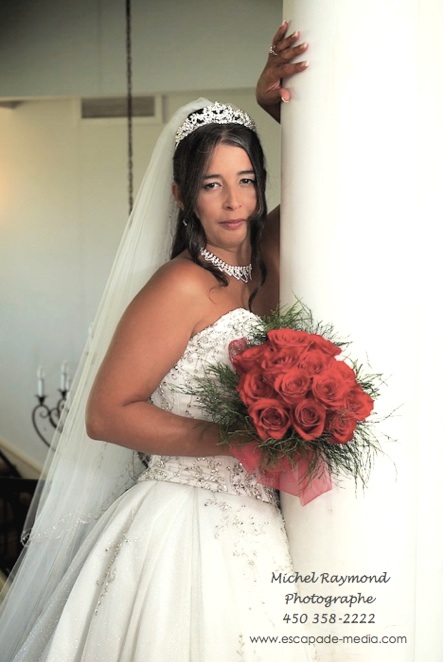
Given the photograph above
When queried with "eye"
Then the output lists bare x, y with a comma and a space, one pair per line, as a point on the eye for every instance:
210, 186
248, 181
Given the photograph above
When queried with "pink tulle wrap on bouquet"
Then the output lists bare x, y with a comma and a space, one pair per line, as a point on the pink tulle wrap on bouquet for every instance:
289, 478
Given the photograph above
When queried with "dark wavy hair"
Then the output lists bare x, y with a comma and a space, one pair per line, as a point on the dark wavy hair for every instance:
190, 162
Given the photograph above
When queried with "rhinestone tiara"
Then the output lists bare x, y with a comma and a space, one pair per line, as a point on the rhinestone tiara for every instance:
217, 113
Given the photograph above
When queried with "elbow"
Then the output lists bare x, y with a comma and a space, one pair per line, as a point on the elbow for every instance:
94, 428
96, 423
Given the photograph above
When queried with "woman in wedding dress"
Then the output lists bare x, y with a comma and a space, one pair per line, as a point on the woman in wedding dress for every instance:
180, 566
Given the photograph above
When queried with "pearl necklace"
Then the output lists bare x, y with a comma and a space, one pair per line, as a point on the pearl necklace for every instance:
239, 273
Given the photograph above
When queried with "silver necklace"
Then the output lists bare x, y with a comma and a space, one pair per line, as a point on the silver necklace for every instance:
239, 273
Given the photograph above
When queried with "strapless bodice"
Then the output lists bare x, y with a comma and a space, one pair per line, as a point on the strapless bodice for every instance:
220, 473
206, 348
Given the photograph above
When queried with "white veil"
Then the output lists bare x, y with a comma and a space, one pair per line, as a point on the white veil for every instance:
83, 477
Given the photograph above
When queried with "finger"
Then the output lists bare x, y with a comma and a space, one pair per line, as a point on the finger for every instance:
281, 32
283, 67
292, 51
280, 41
287, 42
285, 94
276, 59
293, 68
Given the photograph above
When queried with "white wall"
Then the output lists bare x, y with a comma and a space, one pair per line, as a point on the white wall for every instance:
63, 182
77, 47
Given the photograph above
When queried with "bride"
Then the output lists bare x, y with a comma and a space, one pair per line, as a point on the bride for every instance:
153, 543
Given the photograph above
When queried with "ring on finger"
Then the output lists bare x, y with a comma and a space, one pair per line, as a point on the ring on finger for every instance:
272, 51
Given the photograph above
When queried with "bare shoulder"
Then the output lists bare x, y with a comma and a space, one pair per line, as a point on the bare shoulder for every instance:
174, 295
178, 279
154, 331
182, 275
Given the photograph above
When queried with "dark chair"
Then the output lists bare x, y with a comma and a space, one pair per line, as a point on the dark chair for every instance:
15, 497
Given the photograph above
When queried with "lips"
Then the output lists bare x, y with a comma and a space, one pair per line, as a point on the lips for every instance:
233, 223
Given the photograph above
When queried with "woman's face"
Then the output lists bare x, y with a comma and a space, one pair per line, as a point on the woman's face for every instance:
227, 198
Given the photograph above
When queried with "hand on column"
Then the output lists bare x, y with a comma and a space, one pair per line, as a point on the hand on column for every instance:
269, 90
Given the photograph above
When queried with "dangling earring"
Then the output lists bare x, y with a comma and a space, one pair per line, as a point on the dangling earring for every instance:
184, 222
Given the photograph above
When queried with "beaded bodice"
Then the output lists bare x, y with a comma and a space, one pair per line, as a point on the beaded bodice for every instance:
220, 473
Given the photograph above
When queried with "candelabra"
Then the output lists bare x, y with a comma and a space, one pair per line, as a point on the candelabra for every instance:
43, 415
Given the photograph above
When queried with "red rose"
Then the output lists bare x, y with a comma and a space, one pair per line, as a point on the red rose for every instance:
288, 338
359, 403
314, 360
275, 361
252, 386
248, 359
292, 385
236, 347
347, 373
270, 418
341, 425
325, 345
309, 418
329, 386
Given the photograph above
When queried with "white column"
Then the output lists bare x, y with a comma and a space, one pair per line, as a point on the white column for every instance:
362, 145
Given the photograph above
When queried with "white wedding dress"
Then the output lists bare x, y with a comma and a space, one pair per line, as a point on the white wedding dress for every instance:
179, 568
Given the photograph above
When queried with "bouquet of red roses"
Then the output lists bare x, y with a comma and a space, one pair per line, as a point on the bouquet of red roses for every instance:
298, 413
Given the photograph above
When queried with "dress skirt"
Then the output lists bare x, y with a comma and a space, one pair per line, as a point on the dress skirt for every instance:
173, 573
180, 568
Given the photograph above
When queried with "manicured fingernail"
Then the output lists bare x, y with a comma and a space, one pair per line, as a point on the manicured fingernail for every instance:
285, 100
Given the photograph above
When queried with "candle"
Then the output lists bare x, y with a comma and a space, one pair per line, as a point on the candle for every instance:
63, 376
40, 382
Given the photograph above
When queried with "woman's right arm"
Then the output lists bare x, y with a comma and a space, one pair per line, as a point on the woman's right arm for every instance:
149, 340
270, 93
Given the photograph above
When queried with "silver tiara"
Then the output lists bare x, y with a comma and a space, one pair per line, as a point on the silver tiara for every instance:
217, 113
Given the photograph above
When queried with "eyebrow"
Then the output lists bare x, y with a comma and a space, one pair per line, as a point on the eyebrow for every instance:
241, 172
